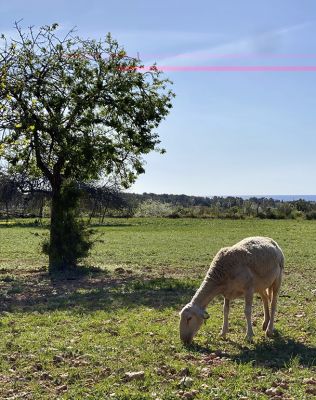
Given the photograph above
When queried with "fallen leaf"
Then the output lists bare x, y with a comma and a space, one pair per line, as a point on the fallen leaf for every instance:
119, 270
58, 359
309, 381
311, 390
61, 388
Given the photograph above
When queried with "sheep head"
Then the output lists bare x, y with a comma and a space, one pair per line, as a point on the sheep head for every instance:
191, 319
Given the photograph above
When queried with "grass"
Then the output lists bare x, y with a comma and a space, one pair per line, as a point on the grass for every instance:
77, 338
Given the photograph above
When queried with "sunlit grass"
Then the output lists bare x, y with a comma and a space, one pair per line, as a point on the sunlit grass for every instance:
77, 339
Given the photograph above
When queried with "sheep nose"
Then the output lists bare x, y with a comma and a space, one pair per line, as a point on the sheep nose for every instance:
186, 341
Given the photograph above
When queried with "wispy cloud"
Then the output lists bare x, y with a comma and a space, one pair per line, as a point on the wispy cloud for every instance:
260, 44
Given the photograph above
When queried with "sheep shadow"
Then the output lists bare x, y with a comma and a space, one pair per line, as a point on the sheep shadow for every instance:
278, 353
275, 354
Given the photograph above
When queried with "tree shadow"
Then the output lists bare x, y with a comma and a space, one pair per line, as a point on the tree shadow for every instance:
112, 225
28, 224
275, 354
45, 224
91, 291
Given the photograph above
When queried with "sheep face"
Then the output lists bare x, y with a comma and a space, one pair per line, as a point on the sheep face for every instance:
191, 320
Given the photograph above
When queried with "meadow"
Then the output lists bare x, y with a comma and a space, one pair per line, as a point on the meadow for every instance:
84, 336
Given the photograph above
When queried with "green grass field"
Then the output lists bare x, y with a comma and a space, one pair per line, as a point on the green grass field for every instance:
78, 338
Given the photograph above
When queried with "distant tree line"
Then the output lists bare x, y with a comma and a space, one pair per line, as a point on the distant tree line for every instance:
177, 206
18, 199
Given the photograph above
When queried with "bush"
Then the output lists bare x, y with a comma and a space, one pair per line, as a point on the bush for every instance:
311, 215
74, 241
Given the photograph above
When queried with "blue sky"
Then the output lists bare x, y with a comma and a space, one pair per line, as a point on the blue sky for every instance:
229, 132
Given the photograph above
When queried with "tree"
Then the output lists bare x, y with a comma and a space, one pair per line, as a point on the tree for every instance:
75, 110
8, 192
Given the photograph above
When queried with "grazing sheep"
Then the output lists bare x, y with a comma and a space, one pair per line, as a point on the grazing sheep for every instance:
254, 265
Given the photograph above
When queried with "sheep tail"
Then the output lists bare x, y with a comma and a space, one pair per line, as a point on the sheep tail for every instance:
282, 263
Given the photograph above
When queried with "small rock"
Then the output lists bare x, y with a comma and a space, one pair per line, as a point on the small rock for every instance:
273, 391
105, 372
190, 395
206, 372
186, 382
204, 386
130, 376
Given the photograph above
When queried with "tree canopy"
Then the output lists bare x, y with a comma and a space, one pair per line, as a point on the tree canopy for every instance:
74, 109
77, 108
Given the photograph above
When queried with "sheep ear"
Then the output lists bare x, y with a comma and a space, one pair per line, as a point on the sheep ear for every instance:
206, 315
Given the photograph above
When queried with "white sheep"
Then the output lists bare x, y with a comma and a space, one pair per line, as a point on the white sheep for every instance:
254, 265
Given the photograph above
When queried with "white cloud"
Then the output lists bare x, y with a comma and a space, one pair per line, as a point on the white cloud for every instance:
262, 43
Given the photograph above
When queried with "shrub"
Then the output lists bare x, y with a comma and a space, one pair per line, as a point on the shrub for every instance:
311, 215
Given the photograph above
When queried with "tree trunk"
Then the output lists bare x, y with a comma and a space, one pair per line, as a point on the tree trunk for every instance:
56, 260
7, 211
69, 240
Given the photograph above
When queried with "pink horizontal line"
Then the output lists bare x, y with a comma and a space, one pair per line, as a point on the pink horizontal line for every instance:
203, 55
227, 68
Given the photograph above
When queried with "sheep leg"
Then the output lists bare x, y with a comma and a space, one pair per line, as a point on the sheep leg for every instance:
265, 301
275, 294
225, 321
248, 309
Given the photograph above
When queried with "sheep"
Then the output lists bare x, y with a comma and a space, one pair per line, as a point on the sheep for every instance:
253, 265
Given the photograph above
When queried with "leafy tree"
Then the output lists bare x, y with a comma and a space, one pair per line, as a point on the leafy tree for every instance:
75, 110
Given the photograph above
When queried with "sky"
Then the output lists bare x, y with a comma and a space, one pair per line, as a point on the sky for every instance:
244, 74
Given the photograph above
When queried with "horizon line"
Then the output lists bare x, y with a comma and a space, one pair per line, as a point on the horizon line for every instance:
224, 195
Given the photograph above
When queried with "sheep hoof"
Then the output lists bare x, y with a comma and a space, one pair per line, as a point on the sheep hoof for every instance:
265, 325
249, 339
